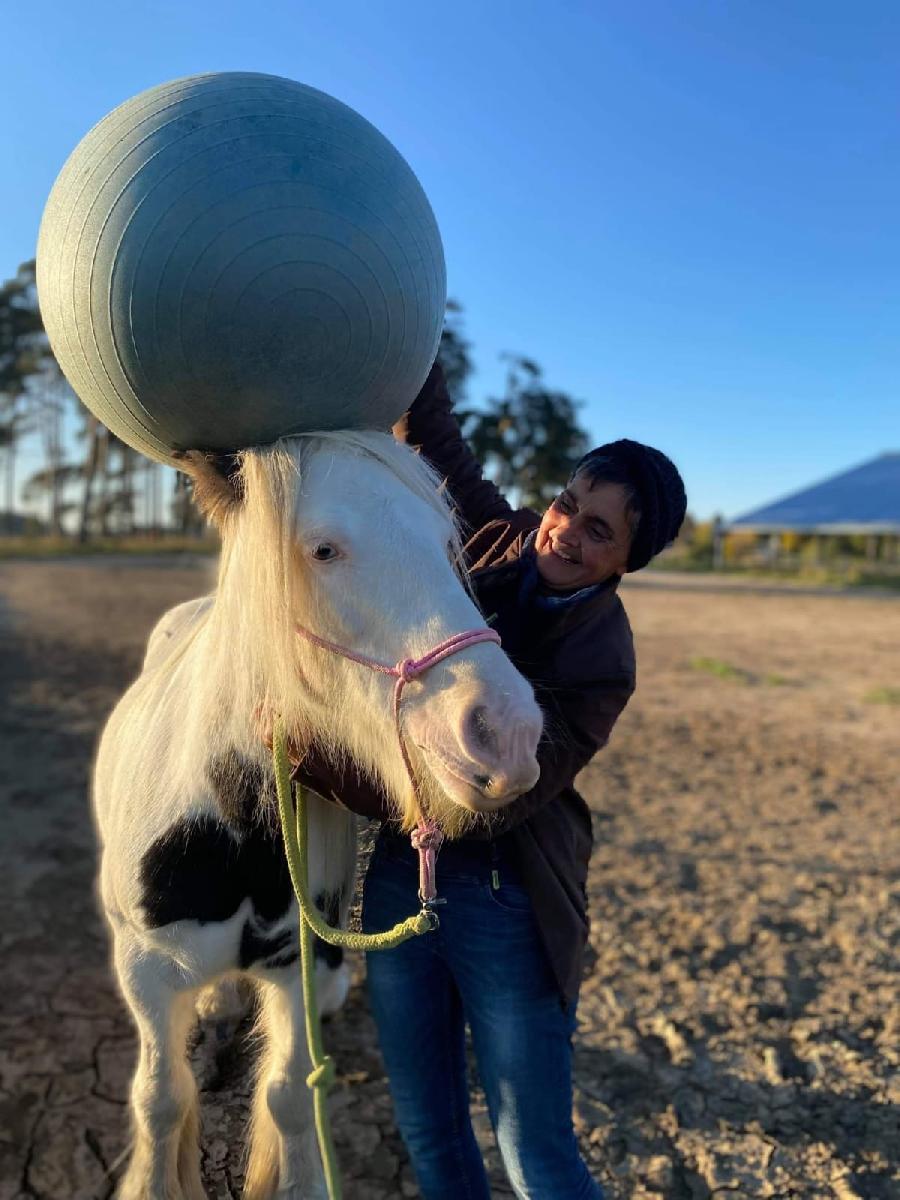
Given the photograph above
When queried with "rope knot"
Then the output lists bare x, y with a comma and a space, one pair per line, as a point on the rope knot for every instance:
408, 669
323, 1075
426, 837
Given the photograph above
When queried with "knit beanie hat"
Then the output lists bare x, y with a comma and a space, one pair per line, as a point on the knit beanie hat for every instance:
660, 494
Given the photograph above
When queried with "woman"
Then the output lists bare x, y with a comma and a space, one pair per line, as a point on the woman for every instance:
507, 958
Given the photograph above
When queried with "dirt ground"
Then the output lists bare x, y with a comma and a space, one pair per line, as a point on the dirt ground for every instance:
740, 1033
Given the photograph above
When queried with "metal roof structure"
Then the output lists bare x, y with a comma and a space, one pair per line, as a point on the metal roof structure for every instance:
865, 499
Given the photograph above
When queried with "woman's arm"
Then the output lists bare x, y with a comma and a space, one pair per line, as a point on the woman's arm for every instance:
574, 730
347, 786
431, 425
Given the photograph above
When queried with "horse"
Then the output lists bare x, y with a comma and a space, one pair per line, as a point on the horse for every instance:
346, 537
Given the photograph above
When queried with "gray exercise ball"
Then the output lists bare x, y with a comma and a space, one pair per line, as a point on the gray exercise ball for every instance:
233, 257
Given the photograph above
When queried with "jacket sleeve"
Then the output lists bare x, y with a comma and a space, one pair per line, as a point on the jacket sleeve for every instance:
346, 786
431, 426
574, 730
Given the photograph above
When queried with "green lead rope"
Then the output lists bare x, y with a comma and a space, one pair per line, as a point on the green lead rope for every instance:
296, 846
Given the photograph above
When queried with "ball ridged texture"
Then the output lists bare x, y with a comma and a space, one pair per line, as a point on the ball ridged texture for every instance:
231, 258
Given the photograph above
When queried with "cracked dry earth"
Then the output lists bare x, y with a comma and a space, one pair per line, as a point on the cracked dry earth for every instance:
739, 1022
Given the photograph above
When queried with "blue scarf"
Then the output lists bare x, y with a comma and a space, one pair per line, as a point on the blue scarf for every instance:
529, 596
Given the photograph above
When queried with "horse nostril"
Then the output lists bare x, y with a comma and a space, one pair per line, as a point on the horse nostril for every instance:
482, 781
481, 729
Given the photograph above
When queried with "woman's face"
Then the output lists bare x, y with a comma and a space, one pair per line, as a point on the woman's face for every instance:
584, 536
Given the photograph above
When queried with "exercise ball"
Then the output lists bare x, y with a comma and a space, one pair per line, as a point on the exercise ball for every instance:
233, 257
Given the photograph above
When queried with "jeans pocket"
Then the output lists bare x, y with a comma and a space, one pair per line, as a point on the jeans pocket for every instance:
510, 897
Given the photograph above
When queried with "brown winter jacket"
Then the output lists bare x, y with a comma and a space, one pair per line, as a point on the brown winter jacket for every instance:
580, 660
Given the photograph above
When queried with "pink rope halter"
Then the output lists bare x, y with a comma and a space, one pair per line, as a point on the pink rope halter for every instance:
427, 836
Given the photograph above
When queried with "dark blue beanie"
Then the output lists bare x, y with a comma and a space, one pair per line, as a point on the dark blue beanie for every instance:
660, 495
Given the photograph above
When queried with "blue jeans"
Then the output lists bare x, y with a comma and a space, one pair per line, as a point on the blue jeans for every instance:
485, 966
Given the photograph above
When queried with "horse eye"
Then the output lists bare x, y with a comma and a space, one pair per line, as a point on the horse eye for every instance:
324, 552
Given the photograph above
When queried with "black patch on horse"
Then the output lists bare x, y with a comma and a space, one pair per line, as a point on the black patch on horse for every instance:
281, 949
243, 791
274, 949
282, 960
203, 867
192, 871
329, 905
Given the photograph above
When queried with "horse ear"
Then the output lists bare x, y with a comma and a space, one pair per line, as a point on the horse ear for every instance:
216, 490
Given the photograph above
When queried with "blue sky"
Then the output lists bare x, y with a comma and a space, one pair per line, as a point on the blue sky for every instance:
688, 213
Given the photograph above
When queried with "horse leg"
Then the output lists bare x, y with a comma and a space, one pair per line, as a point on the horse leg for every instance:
165, 1159
284, 1159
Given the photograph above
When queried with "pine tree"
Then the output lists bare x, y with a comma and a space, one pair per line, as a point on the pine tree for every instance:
529, 440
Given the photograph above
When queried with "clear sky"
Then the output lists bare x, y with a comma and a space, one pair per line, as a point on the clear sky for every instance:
688, 212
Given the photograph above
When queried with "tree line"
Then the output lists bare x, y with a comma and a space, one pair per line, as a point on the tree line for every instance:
92, 484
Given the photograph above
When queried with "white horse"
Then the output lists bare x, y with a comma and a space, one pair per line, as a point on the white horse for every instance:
347, 535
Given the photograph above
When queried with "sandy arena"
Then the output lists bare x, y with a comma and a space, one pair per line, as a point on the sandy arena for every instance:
740, 1033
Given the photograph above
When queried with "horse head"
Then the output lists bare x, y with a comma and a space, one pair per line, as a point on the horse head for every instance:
348, 536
